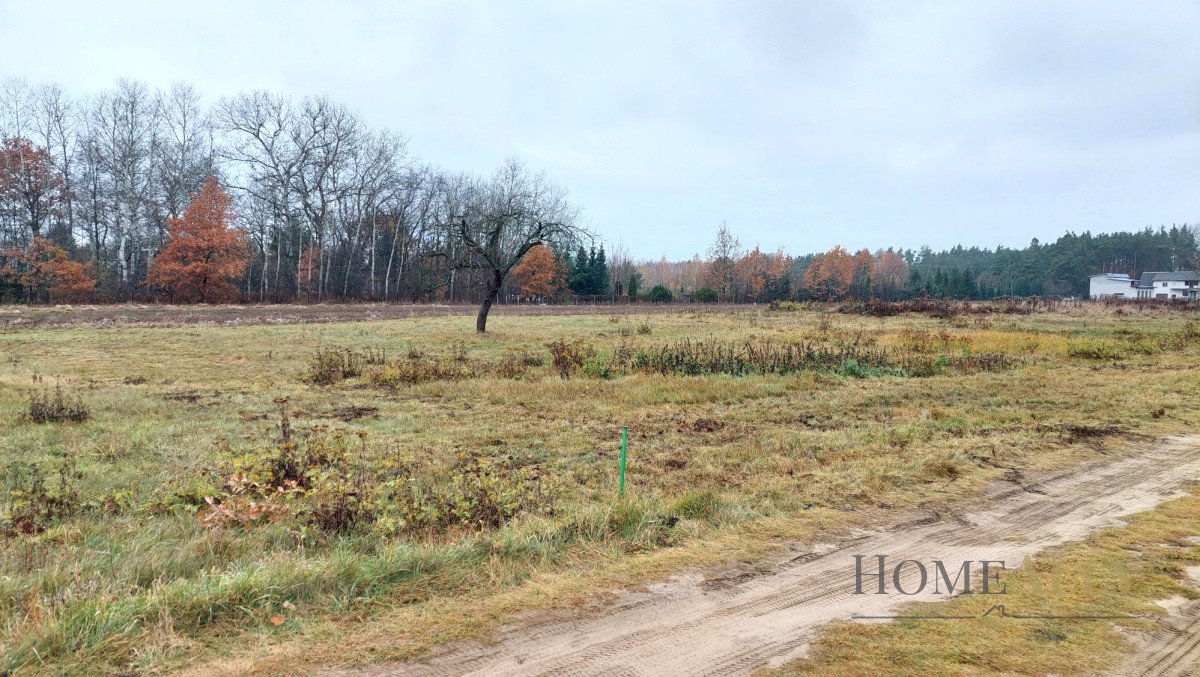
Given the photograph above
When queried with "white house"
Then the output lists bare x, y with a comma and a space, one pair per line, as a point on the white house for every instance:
1179, 284
1111, 285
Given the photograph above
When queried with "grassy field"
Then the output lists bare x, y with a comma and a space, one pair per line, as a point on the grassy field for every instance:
259, 497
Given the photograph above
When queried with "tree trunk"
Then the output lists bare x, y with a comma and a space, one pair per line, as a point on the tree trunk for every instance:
486, 306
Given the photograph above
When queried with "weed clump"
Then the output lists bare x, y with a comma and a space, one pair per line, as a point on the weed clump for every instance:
698, 358
1095, 350
34, 503
516, 363
569, 356
337, 482
420, 369
56, 406
327, 366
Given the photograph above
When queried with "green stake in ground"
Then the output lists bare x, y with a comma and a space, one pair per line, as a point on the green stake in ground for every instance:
624, 450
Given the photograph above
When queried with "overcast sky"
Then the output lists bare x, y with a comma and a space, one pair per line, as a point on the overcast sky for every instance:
803, 124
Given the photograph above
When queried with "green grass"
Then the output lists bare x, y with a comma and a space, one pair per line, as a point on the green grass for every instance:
720, 466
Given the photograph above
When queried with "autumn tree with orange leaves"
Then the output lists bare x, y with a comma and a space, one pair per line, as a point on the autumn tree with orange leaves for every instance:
863, 279
750, 275
204, 253
830, 275
538, 274
30, 187
762, 277
46, 273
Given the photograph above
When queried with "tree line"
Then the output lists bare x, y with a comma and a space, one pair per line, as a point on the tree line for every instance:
730, 273
1059, 268
331, 209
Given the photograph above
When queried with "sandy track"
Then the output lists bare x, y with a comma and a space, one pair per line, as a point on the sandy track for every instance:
736, 624
1173, 651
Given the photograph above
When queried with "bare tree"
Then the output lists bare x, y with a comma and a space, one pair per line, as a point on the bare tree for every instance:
125, 125
184, 154
722, 260
56, 122
499, 220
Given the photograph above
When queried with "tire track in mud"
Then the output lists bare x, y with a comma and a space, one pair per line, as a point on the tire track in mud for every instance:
685, 627
1173, 650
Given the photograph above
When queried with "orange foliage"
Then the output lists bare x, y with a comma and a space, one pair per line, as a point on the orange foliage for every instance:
204, 253
45, 271
751, 274
864, 275
29, 184
538, 274
830, 275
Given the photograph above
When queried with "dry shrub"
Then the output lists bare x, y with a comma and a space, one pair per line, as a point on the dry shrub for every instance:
409, 371
516, 363
569, 356
56, 406
967, 363
697, 358
983, 362
949, 309
330, 365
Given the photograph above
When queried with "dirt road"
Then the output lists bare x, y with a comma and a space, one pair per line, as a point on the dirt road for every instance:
739, 623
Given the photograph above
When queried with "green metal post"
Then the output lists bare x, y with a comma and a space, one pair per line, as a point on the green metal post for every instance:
624, 451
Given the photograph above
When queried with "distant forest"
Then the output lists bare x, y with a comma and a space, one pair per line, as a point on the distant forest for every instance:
1059, 268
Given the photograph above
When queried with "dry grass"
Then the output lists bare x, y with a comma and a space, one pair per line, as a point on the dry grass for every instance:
720, 466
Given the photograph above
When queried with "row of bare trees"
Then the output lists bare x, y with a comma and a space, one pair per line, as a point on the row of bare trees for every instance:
334, 208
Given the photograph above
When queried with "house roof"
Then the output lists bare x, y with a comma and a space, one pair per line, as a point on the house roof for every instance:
1115, 277
1148, 279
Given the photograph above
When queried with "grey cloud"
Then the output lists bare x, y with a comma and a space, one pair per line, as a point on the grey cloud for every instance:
802, 124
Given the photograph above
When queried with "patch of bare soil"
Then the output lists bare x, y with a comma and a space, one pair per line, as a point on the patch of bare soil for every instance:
735, 622
185, 397
354, 412
708, 425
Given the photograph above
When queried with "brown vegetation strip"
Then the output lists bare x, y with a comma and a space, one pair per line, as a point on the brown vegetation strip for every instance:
163, 315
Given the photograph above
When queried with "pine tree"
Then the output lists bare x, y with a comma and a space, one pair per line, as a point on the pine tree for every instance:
600, 278
579, 273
